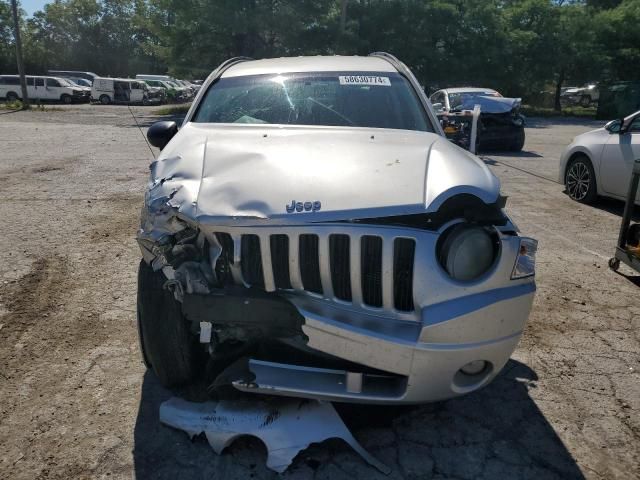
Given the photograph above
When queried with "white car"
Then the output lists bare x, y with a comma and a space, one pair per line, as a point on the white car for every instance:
42, 88
309, 231
600, 162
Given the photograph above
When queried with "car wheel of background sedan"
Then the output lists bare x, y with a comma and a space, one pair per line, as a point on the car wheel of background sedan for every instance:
66, 99
12, 97
105, 100
518, 141
585, 101
166, 342
580, 180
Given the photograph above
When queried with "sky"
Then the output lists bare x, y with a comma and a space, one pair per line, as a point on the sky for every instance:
31, 6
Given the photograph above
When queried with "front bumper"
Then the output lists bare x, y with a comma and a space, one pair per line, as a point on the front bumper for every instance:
422, 361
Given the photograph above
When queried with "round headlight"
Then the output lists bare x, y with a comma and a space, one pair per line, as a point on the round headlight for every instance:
467, 252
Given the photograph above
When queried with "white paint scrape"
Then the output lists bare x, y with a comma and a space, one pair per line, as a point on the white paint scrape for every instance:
285, 426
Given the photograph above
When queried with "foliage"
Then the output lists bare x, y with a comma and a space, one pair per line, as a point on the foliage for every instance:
520, 47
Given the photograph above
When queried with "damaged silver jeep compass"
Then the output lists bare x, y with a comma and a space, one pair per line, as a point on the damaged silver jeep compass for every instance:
309, 231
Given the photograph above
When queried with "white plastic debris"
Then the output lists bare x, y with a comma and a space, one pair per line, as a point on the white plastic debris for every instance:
285, 426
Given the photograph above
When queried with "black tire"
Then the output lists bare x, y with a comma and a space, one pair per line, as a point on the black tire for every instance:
105, 100
585, 101
12, 97
614, 264
66, 99
167, 344
518, 142
580, 180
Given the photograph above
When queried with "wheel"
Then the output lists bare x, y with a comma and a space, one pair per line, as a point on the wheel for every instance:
518, 141
614, 264
12, 97
580, 180
105, 100
585, 101
66, 99
167, 344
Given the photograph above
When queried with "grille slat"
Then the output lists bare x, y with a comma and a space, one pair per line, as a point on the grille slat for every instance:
252, 272
280, 260
371, 275
339, 253
310, 263
403, 259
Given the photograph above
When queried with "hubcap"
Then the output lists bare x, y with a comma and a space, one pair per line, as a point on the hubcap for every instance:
578, 181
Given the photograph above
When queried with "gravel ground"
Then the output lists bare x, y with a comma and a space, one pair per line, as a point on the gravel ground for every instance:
76, 402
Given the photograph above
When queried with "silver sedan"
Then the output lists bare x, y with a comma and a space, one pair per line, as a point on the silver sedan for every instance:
600, 162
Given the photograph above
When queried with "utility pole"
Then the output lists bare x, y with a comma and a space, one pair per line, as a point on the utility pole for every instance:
16, 34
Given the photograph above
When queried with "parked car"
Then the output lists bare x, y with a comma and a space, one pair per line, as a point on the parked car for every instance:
501, 125
118, 90
600, 162
90, 76
170, 92
42, 88
584, 96
81, 83
309, 231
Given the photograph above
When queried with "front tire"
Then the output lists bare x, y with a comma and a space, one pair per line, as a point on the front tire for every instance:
518, 142
585, 101
105, 100
166, 342
12, 97
580, 180
66, 99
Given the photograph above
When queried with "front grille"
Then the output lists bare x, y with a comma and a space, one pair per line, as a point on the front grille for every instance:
370, 270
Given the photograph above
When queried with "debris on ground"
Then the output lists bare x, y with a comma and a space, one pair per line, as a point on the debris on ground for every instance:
285, 426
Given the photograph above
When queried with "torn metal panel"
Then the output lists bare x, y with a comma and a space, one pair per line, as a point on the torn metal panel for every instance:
285, 427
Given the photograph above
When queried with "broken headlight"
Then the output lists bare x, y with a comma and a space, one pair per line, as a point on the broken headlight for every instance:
526, 261
467, 251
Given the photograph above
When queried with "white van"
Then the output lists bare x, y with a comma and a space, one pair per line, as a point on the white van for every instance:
42, 88
118, 90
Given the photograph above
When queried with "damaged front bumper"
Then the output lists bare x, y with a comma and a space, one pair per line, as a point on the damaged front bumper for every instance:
391, 334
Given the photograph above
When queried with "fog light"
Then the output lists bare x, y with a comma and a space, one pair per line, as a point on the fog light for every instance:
474, 368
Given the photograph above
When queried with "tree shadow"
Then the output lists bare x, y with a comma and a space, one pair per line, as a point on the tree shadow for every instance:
495, 432
511, 154
551, 122
615, 207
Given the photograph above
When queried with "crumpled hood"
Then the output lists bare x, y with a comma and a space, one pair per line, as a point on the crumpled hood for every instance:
490, 104
221, 174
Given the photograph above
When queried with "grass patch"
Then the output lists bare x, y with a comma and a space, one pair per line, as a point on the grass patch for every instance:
173, 110
575, 111
38, 107
17, 105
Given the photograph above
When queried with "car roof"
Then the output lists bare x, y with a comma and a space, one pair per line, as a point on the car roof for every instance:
469, 90
334, 63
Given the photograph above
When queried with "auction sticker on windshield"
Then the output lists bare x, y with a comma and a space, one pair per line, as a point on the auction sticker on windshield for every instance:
364, 80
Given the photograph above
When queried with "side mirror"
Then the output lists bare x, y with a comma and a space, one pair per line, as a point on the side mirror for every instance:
437, 107
614, 126
160, 133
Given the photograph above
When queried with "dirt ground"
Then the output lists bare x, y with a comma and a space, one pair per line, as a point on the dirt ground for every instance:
76, 401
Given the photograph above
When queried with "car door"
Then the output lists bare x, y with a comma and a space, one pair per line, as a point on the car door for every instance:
439, 98
39, 89
53, 89
136, 93
618, 155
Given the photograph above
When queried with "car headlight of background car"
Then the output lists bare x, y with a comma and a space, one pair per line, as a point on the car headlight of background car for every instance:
467, 252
